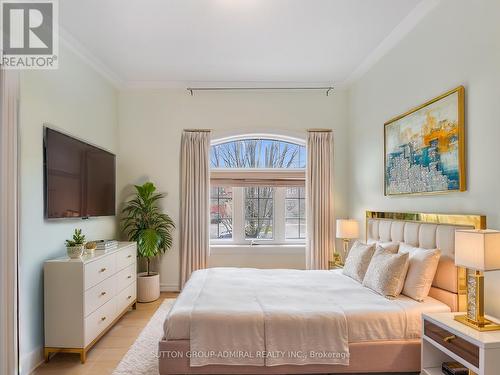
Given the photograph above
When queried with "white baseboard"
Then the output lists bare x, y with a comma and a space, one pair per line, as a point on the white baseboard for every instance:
169, 287
30, 361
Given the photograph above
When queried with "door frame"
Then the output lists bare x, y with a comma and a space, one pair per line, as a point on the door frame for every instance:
9, 225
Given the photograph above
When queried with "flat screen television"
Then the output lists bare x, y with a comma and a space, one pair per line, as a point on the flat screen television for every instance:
80, 179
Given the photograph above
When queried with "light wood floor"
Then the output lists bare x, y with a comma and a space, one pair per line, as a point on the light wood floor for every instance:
103, 358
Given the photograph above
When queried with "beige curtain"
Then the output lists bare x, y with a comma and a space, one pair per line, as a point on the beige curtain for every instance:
319, 194
195, 200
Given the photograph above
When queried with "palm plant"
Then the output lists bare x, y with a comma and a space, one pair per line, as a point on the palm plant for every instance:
144, 223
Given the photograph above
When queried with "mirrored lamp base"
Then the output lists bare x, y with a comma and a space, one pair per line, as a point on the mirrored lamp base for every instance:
475, 304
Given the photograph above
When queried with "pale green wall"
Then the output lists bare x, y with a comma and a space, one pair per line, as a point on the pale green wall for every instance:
78, 101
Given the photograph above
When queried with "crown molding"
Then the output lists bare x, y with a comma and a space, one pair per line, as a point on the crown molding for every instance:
71, 43
390, 41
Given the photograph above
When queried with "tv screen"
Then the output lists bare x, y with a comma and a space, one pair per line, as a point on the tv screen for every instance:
79, 178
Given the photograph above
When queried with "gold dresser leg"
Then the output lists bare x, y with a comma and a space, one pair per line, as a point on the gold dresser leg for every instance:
83, 356
46, 354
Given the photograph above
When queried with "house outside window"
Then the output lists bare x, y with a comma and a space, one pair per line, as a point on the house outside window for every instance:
257, 192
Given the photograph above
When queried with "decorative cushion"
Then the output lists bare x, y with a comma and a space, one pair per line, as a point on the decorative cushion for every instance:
358, 260
386, 272
422, 268
393, 246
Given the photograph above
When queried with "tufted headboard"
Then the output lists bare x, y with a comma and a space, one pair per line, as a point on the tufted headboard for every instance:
429, 231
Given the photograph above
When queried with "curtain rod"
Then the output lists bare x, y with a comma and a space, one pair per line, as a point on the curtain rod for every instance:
191, 90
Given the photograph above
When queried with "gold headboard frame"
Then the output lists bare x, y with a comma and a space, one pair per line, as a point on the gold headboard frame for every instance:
476, 221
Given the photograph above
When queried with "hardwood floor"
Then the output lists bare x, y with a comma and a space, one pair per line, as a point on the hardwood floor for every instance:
103, 358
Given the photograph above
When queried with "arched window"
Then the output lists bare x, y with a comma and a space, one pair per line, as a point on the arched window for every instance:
257, 191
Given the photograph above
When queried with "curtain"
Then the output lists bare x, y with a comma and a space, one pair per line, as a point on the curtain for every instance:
195, 200
9, 98
319, 198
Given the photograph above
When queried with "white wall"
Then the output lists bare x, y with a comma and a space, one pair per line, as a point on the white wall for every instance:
151, 123
76, 100
458, 43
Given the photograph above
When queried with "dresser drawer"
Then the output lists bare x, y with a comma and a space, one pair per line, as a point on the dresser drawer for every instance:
463, 348
99, 294
99, 270
126, 297
99, 320
125, 277
126, 257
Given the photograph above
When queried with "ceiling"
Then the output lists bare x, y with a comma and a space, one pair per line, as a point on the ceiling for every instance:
179, 42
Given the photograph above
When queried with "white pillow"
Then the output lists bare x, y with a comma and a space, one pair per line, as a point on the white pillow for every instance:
386, 272
421, 271
358, 260
393, 246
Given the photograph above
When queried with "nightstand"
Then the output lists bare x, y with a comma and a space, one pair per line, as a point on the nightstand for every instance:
444, 340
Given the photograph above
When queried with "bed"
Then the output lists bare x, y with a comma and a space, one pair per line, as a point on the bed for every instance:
275, 314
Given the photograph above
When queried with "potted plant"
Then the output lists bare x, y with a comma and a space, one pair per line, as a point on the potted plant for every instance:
75, 246
145, 223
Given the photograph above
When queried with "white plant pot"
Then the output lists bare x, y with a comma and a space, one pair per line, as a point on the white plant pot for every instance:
148, 287
75, 252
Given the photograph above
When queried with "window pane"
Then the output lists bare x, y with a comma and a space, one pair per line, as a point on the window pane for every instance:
292, 208
257, 153
259, 229
302, 206
293, 192
292, 228
303, 229
221, 223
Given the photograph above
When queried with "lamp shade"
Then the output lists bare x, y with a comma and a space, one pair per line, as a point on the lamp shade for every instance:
478, 249
347, 228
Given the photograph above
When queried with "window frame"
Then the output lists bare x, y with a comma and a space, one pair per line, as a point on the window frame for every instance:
279, 199
279, 222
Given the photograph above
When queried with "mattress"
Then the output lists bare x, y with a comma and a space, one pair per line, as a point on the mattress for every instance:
370, 316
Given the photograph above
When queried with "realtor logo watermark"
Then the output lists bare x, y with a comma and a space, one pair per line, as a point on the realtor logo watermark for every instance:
30, 34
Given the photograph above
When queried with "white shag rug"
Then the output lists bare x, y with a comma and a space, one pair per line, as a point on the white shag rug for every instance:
142, 357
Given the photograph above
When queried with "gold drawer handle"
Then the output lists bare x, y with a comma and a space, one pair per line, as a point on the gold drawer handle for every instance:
130, 256
103, 293
129, 297
449, 338
103, 269
103, 319
129, 277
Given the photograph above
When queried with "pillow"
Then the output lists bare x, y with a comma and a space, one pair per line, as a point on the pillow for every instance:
357, 261
386, 272
393, 246
421, 271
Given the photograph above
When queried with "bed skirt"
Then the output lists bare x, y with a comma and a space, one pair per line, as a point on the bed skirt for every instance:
376, 356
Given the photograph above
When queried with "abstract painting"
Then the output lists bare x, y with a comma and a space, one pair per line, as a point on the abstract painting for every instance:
425, 147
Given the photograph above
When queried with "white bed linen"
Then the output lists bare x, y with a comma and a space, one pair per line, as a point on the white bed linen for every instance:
368, 316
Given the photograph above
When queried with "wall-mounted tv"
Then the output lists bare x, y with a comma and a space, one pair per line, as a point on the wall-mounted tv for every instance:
80, 179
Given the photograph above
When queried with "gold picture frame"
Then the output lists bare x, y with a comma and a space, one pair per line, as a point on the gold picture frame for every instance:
424, 153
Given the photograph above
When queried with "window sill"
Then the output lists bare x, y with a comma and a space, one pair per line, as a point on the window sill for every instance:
217, 249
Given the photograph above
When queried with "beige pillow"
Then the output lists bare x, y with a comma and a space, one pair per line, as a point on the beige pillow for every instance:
421, 271
358, 260
393, 246
386, 272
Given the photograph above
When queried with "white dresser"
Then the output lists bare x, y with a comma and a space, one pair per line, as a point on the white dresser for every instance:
85, 297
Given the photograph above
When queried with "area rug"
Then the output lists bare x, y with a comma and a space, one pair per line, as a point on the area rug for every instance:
142, 357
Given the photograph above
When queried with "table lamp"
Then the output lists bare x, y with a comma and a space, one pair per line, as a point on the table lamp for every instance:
479, 251
347, 229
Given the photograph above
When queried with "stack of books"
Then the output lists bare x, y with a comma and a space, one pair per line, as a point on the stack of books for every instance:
105, 245
454, 368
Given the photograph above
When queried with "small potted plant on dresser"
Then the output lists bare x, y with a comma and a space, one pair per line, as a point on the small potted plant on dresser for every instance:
75, 246
144, 222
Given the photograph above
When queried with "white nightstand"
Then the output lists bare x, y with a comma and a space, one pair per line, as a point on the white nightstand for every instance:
444, 340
